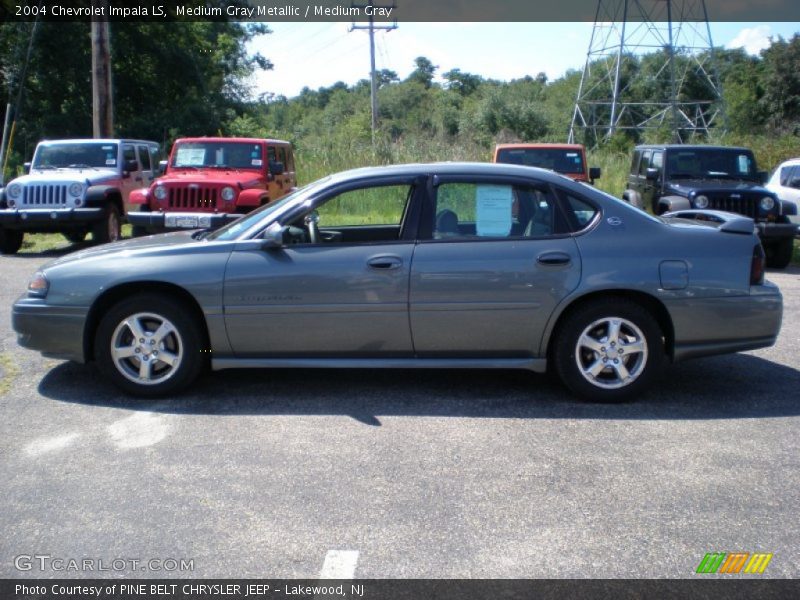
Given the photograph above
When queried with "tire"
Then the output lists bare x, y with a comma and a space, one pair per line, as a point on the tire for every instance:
138, 367
10, 240
779, 254
582, 341
138, 231
76, 237
108, 229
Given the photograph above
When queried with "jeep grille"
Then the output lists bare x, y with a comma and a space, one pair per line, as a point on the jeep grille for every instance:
44, 195
747, 206
193, 197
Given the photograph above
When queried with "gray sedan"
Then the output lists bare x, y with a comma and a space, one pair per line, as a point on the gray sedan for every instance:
433, 266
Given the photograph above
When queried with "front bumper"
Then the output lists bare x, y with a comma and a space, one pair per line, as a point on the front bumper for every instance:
55, 331
774, 231
180, 220
44, 218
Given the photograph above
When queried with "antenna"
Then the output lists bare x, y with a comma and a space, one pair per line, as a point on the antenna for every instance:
675, 87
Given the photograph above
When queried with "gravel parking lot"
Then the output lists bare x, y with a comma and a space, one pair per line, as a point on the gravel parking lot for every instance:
399, 474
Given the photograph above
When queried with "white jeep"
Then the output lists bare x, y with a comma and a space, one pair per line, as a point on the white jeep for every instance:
76, 187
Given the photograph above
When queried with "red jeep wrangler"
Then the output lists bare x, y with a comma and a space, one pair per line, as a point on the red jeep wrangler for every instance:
210, 181
567, 159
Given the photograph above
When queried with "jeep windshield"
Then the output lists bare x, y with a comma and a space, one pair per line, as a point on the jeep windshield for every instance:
218, 155
75, 156
711, 163
560, 160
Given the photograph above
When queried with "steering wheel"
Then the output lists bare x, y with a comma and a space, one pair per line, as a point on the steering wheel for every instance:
311, 221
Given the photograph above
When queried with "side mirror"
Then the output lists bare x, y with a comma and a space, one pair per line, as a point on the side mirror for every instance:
276, 167
594, 173
651, 174
162, 166
27, 167
762, 176
130, 166
273, 236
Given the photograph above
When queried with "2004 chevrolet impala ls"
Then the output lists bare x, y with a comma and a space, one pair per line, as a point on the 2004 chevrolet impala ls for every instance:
438, 265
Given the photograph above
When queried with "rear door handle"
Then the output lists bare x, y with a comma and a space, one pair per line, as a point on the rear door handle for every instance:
554, 258
385, 263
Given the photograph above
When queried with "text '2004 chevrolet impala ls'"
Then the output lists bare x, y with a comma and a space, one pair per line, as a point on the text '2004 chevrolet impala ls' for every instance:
438, 265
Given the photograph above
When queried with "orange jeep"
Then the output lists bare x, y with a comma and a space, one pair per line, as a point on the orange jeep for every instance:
567, 159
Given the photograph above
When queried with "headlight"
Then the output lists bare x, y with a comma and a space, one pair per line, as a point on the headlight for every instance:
228, 193
14, 190
767, 203
701, 201
160, 192
76, 189
38, 285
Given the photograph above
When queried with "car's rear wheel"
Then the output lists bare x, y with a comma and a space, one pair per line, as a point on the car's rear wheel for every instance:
779, 254
10, 240
609, 350
109, 228
148, 345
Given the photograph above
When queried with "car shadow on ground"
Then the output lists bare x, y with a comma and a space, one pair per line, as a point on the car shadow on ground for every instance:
729, 387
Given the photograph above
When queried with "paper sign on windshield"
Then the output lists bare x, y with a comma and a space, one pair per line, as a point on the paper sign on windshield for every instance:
190, 157
493, 210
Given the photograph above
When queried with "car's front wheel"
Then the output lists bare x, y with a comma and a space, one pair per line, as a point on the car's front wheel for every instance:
10, 240
779, 254
109, 228
148, 345
609, 350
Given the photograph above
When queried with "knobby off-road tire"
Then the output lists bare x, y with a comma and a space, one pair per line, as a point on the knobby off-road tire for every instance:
149, 345
109, 228
609, 350
779, 254
10, 240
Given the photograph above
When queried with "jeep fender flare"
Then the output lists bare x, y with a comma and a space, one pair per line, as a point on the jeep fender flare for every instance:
253, 197
101, 195
140, 196
672, 203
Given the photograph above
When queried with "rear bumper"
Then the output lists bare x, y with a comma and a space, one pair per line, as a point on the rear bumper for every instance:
180, 220
31, 219
55, 331
710, 326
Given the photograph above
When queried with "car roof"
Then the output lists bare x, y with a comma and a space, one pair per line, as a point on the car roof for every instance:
791, 162
690, 147
245, 140
451, 168
99, 141
555, 145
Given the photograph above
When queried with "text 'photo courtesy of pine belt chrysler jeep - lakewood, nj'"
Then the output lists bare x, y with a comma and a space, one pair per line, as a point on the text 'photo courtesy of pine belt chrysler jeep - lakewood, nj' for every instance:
450, 265
76, 187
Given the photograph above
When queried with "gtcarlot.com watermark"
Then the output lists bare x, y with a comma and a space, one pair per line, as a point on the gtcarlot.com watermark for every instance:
60, 564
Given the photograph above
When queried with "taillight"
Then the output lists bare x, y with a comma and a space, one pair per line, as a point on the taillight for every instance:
757, 265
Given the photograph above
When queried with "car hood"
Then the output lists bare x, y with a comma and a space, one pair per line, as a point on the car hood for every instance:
90, 176
233, 177
686, 186
149, 245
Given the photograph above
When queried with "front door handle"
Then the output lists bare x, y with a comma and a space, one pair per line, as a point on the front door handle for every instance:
554, 259
385, 263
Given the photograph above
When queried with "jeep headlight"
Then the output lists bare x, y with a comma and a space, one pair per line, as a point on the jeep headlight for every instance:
13, 191
76, 189
228, 193
767, 203
38, 285
160, 192
701, 201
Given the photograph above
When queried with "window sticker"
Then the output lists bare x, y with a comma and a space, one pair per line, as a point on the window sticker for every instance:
256, 162
493, 210
744, 164
110, 162
190, 157
110, 148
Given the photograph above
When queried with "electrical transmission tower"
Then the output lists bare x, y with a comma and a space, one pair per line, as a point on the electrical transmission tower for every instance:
373, 85
650, 66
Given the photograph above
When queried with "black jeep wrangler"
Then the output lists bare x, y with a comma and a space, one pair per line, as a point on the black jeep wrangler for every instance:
669, 178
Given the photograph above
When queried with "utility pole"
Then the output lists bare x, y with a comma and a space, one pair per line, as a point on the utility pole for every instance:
102, 105
373, 86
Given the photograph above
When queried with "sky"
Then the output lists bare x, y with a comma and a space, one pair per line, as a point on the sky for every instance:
320, 54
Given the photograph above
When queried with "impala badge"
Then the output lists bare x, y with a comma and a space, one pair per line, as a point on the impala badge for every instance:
614, 221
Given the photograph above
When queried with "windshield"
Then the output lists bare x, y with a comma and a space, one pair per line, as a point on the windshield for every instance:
58, 156
714, 162
231, 155
560, 160
263, 215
